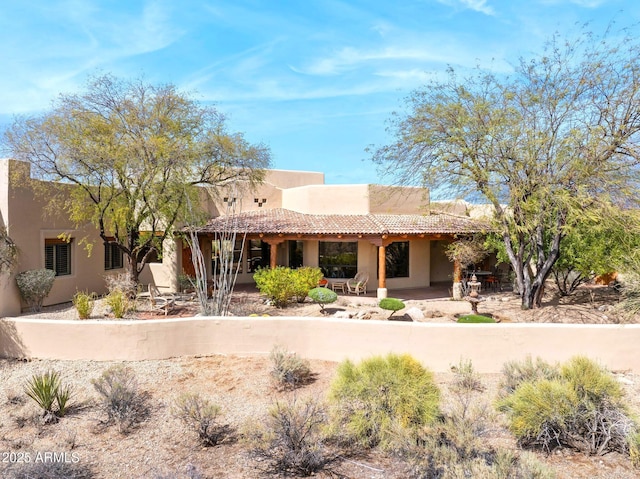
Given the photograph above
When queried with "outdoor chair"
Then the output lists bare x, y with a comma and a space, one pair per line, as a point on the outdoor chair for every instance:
358, 284
160, 302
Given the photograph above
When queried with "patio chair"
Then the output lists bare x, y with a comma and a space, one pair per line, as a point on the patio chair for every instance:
160, 302
358, 284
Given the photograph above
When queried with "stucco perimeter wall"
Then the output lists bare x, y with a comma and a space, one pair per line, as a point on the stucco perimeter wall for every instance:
438, 346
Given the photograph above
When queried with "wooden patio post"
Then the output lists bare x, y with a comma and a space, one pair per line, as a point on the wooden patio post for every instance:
382, 271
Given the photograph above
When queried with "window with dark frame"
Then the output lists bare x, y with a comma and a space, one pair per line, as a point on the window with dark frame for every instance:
57, 256
397, 260
112, 256
338, 259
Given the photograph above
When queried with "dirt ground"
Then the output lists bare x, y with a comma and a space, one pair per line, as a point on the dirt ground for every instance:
162, 447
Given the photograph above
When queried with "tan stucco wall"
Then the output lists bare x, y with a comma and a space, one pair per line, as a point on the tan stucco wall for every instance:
356, 199
441, 268
292, 178
439, 346
398, 200
328, 199
29, 224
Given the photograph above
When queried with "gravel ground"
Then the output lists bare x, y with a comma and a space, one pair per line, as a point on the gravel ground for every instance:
161, 445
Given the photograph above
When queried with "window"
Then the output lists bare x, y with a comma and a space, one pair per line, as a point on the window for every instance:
295, 254
338, 259
259, 255
57, 256
221, 252
397, 259
112, 256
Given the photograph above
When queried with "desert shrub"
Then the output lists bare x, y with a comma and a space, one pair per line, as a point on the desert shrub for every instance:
475, 319
582, 409
454, 446
305, 279
634, 448
120, 397
291, 441
84, 302
51, 395
380, 395
323, 296
202, 416
119, 303
276, 284
121, 282
49, 470
34, 285
391, 304
515, 373
190, 472
288, 369
466, 378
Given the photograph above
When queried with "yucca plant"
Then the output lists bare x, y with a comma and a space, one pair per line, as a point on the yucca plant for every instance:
50, 394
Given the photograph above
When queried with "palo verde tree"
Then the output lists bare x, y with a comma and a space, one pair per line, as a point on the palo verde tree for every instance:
134, 153
547, 146
592, 248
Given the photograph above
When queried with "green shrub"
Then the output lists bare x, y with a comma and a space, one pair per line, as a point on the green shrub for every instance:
50, 394
323, 296
276, 284
34, 285
84, 302
475, 319
288, 369
202, 416
291, 441
305, 279
391, 304
382, 394
582, 409
120, 398
515, 373
119, 303
282, 284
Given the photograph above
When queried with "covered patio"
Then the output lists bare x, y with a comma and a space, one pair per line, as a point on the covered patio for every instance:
382, 241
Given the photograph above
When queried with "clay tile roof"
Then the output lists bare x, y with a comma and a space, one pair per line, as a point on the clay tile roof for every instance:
283, 221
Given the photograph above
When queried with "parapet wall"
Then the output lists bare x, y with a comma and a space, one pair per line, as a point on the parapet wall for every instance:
438, 346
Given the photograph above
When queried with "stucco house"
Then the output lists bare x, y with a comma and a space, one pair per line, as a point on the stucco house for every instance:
293, 218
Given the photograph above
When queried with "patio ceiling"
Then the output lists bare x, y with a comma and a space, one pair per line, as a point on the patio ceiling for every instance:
280, 221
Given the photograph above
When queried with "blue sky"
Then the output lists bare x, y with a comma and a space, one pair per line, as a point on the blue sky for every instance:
316, 80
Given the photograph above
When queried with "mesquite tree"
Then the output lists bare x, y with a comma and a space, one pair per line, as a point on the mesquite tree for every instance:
555, 142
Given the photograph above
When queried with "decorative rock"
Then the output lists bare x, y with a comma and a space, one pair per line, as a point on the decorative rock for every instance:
342, 315
414, 313
363, 315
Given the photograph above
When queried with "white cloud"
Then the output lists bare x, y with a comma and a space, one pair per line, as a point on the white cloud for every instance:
74, 38
475, 5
